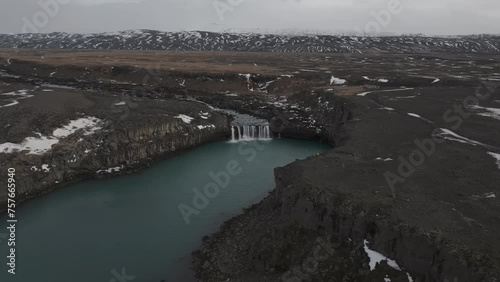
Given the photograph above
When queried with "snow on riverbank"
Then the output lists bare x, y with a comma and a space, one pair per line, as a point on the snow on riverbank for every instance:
41, 144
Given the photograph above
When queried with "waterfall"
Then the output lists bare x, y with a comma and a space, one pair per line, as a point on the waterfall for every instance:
250, 132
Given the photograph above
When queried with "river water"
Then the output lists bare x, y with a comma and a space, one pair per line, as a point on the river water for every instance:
131, 228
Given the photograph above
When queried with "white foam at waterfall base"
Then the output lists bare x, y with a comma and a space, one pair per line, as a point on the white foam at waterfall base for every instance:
250, 133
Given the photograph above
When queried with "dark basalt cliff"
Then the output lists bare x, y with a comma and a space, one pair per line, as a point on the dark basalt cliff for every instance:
313, 226
146, 135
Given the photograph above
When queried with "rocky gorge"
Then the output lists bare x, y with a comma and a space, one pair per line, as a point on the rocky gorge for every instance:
332, 217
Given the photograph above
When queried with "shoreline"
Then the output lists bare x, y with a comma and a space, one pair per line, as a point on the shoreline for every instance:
127, 171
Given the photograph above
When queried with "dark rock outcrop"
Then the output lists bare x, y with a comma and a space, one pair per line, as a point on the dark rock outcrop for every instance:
147, 135
313, 225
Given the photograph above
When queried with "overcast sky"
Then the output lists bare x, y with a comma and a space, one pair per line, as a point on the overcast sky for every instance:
328, 16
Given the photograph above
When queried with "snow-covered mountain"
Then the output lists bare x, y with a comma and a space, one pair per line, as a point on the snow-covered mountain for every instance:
210, 41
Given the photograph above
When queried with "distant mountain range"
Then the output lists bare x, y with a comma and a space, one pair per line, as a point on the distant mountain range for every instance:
210, 41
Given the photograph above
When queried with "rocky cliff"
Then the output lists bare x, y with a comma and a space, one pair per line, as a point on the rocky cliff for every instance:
128, 138
329, 218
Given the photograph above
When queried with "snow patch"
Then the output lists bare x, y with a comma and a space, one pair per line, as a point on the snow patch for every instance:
496, 156
490, 195
110, 170
383, 80
185, 118
387, 108
337, 81
204, 115
414, 115
488, 112
390, 90
41, 144
206, 126
35, 145
385, 160
45, 168
19, 95
88, 124
452, 136
376, 258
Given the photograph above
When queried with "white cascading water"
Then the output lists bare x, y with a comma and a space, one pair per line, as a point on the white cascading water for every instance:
250, 132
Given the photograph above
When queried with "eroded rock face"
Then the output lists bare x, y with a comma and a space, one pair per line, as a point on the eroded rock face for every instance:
150, 131
302, 233
313, 226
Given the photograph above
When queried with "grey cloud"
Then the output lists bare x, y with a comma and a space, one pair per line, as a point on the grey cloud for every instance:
422, 16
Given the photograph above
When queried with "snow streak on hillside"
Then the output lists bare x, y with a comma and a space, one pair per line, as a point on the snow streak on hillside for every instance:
209, 41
